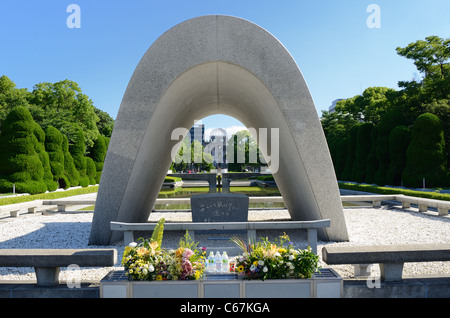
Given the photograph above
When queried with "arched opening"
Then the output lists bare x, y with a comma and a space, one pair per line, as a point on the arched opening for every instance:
216, 65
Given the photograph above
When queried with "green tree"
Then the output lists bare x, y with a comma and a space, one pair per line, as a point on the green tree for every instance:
363, 146
63, 106
351, 153
341, 156
71, 175
399, 139
432, 58
441, 108
19, 162
91, 171
425, 156
51, 184
10, 97
53, 146
77, 150
242, 151
372, 161
98, 154
105, 125
387, 123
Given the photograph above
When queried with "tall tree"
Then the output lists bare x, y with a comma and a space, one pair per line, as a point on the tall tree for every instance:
62, 105
431, 57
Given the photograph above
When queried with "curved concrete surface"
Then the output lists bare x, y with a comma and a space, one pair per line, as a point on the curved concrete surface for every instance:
215, 65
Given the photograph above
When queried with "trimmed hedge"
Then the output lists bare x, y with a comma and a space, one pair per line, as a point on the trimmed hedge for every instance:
98, 154
53, 146
77, 150
71, 175
388, 122
426, 153
363, 146
399, 139
19, 162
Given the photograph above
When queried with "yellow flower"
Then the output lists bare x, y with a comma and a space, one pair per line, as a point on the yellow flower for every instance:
240, 268
153, 247
282, 250
142, 251
255, 263
159, 277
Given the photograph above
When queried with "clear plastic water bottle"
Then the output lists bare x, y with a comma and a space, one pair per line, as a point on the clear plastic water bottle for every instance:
210, 268
218, 262
225, 262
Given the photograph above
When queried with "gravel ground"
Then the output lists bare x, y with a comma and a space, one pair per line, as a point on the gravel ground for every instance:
366, 226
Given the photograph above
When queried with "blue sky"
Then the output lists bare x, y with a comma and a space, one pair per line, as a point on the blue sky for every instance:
338, 54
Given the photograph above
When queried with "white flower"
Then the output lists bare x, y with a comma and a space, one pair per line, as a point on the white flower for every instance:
265, 269
288, 264
291, 257
252, 268
277, 254
151, 268
132, 244
261, 262
144, 271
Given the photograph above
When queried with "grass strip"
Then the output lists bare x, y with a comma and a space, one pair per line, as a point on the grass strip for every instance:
48, 196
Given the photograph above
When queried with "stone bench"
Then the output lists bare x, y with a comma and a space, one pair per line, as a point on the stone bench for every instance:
424, 203
63, 203
390, 257
47, 262
406, 201
250, 227
16, 212
375, 199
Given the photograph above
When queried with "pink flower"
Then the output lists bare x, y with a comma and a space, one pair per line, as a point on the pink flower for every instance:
187, 253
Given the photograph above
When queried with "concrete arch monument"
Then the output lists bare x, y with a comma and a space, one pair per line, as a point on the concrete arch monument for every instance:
204, 66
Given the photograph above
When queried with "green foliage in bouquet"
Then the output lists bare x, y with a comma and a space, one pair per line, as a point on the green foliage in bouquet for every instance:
267, 260
147, 261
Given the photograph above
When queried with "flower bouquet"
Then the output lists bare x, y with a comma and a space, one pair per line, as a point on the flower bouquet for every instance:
147, 261
267, 260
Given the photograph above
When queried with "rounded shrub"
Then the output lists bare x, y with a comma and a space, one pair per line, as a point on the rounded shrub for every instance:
20, 163
53, 146
388, 122
425, 155
98, 154
77, 150
91, 171
52, 185
71, 175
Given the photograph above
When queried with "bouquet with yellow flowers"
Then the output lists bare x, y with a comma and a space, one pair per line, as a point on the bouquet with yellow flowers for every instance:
267, 260
189, 262
147, 261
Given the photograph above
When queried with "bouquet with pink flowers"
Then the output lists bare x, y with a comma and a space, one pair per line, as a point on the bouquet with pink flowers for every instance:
189, 261
147, 261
